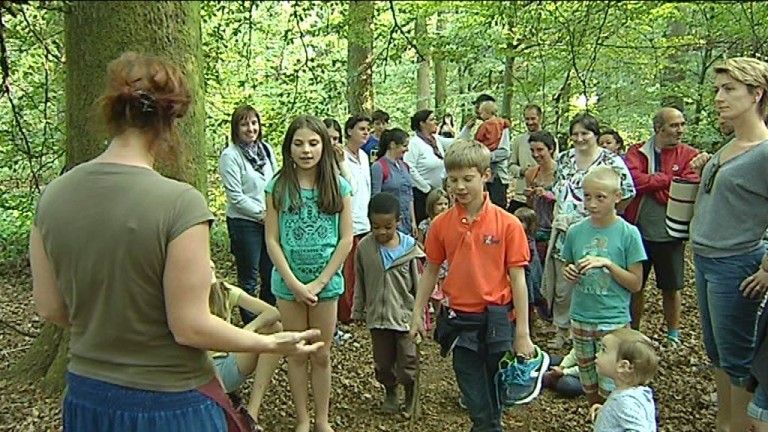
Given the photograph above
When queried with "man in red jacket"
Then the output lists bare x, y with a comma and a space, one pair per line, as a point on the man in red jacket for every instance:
653, 164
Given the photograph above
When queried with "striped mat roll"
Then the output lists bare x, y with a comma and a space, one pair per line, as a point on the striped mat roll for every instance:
682, 197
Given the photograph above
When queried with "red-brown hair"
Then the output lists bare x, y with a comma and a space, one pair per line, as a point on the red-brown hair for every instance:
147, 93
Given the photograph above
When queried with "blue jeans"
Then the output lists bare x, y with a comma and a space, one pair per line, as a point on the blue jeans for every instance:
475, 373
728, 319
93, 405
758, 408
253, 264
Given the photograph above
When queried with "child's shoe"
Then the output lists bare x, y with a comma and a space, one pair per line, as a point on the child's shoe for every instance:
391, 403
673, 340
519, 379
560, 340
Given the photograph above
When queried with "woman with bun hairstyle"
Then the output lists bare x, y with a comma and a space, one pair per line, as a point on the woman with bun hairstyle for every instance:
120, 257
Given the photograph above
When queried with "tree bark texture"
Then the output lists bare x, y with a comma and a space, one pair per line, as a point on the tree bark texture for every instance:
99, 32
359, 57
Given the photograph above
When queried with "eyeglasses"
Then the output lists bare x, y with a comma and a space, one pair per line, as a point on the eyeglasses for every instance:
711, 180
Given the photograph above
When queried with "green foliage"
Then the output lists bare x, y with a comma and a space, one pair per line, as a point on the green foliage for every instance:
289, 58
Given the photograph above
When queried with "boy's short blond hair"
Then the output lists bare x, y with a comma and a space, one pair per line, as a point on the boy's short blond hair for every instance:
465, 153
606, 176
488, 106
638, 350
751, 72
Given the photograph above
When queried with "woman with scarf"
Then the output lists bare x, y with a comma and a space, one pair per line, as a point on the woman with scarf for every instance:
245, 167
426, 150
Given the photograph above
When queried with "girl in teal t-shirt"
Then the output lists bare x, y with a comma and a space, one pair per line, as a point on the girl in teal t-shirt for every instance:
309, 234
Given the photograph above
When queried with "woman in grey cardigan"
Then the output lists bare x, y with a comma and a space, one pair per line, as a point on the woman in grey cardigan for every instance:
245, 167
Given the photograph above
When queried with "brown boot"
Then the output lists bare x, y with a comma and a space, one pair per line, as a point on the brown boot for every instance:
391, 402
408, 397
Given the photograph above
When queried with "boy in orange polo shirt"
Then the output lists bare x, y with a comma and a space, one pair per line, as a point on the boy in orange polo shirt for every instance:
487, 250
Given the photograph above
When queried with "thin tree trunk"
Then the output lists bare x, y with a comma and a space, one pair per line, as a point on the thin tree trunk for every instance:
422, 75
440, 75
359, 58
674, 73
506, 102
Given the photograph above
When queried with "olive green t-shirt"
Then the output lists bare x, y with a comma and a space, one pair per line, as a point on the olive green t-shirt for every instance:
106, 229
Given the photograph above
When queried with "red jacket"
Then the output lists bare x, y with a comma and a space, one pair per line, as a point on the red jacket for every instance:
675, 163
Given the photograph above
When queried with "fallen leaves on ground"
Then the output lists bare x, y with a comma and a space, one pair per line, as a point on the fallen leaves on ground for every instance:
682, 386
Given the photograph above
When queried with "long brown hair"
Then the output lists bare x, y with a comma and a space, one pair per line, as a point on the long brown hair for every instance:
286, 193
218, 300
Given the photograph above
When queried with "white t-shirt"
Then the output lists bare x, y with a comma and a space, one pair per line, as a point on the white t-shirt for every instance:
360, 173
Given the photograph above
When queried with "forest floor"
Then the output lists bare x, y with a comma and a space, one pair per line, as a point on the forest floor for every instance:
682, 387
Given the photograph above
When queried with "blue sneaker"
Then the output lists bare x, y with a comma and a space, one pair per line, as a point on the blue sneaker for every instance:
518, 380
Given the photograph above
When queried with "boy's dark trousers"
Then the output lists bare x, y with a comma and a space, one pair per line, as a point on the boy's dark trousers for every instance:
395, 357
478, 387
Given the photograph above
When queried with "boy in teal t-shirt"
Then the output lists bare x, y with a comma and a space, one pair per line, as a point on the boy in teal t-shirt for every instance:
603, 256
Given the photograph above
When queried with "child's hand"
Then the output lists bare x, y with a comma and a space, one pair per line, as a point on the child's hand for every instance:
417, 328
304, 295
571, 273
523, 346
593, 411
592, 262
557, 371
315, 287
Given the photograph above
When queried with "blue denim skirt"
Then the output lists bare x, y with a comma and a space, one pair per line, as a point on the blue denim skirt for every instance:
93, 405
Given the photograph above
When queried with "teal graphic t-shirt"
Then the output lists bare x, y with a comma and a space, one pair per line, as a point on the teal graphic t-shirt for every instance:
308, 238
597, 297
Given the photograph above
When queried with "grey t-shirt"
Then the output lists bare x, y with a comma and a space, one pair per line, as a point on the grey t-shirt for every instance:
732, 217
629, 410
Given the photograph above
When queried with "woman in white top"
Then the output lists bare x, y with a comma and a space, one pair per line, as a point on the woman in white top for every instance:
426, 150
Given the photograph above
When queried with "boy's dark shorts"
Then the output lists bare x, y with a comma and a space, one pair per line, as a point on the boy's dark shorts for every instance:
668, 262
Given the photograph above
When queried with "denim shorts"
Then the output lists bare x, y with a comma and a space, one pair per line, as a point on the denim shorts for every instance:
728, 319
226, 367
758, 408
93, 405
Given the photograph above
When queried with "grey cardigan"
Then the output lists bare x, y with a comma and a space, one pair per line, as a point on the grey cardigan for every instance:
243, 185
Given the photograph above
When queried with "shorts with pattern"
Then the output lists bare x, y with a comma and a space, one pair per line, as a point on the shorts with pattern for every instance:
587, 342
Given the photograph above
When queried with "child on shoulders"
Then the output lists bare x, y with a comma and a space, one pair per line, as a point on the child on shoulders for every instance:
387, 270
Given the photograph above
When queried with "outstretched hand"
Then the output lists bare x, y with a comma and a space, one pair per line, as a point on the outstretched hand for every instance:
295, 343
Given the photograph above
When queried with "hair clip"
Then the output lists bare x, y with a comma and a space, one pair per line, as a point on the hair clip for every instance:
147, 101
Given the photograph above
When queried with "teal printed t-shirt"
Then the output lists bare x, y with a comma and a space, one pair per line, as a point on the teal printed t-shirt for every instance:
308, 238
598, 298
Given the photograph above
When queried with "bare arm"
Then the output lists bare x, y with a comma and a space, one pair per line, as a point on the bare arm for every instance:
272, 225
425, 288
49, 302
266, 313
187, 284
631, 278
522, 344
342, 247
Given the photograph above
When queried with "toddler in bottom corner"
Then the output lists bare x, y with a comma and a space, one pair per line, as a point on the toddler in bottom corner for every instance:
627, 357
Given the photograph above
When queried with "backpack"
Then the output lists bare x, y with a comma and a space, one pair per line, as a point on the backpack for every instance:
385, 170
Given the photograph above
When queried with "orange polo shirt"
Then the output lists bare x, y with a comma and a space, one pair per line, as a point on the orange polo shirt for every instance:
479, 253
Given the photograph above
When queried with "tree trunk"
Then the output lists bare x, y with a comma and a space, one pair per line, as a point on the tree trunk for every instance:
506, 101
422, 75
95, 34
440, 76
359, 58
673, 74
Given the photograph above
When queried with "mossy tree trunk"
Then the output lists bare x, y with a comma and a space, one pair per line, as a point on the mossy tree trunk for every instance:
95, 34
359, 57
